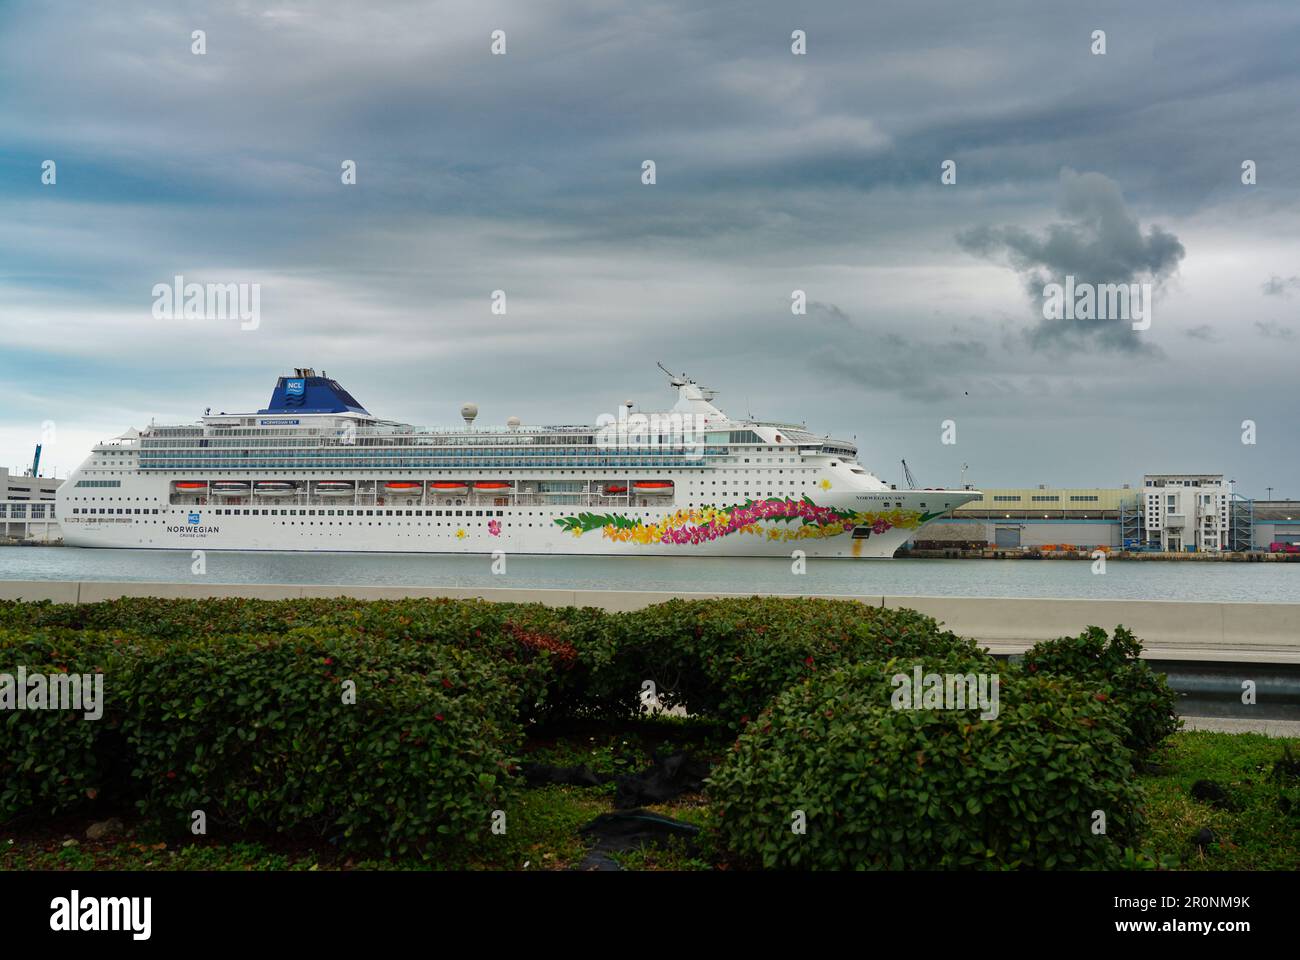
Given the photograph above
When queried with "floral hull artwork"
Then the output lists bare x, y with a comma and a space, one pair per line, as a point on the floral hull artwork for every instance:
783, 519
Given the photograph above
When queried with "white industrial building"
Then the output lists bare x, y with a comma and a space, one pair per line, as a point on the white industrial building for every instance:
27, 506
1186, 510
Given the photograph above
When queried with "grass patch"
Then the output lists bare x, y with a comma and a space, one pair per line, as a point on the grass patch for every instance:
1256, 834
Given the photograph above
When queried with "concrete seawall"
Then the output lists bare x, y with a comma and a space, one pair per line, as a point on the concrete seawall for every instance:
1170, 630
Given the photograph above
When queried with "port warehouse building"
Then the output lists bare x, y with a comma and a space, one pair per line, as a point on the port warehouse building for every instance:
27, 505
1171, 512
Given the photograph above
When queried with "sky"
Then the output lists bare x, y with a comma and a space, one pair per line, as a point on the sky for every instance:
774, 172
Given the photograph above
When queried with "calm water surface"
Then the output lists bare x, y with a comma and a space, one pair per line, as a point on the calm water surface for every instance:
1133, 580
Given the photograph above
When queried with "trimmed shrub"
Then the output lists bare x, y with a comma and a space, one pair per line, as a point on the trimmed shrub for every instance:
56, 761
257, 734
253, 731
728, 658
548, 653
906, 789
724, 659
1114, 668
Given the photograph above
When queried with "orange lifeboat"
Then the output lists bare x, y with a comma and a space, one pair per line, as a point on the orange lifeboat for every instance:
190, 485
654, 488
403, 486
448, 487
615, 489
492, 485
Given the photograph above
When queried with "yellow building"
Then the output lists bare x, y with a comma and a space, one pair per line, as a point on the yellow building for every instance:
1076, 517
1084, 503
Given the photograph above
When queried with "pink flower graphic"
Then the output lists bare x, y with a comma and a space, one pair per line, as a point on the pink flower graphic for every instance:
494, 527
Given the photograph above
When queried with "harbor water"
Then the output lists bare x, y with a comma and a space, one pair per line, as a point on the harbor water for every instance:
1131, 580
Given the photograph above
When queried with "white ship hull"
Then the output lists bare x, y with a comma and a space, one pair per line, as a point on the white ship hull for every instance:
410, 530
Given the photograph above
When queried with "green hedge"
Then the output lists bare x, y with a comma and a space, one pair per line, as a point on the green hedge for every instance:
722, 658
1114, 668
549, 653
258, 734
728, 658
901, 789
56, 761
253, 731
234, 707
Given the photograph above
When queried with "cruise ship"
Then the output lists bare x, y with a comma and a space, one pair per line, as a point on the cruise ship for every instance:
316, 471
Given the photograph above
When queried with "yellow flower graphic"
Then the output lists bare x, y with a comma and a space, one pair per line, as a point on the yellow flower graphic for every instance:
825, 484
460, 534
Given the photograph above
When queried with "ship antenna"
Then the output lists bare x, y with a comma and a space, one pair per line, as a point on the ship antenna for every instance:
675, 380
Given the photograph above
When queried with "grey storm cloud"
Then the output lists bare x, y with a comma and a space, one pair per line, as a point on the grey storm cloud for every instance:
915, 368
1203, 332
1272, 330
1099, 242
776, 172
830, 311
1276, 286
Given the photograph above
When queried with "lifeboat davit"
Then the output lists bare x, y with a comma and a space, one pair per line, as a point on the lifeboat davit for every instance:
403, 486
190, 485
654, 488
448, 487
492, 485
